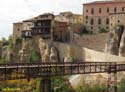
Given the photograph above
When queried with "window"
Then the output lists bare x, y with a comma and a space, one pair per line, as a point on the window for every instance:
107, 10
92, 11
18, 29
91, 28
100, 10
99, 21
115, 9
123, 8
107, 21
118, 21
86, 17
86, 10
86, 22
92, 22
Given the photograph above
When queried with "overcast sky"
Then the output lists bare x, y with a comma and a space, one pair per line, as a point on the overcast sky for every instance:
17, 10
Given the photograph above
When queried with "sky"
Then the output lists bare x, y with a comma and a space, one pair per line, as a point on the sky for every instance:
12, 11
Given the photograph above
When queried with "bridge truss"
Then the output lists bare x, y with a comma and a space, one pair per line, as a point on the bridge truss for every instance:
48, 70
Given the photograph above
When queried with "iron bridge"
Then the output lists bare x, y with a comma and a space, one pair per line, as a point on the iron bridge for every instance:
47, 70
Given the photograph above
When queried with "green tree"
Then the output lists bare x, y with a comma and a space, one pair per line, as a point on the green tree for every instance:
102, 30
10, 41
122, 86
35, 56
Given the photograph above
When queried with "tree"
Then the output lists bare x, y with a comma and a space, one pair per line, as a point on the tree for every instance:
35, 56
122, 86
102, 30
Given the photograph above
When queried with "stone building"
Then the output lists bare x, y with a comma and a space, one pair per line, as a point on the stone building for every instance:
46, 27
96, 14
69, 17
116, 19
61, 31
116, 40
17, 30
43, 25
20, 27
27, 27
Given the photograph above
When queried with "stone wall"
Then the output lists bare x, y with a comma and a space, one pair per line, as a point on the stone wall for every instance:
84, 54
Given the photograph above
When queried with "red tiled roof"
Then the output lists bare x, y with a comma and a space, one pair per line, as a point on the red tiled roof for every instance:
104, 2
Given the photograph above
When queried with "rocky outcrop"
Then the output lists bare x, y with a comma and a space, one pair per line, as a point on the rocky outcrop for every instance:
48, 51
122, 45
116, 41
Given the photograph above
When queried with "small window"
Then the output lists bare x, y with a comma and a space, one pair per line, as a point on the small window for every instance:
99, 21
86, 10
86, 17
18, 29
92, 11
100, 10
86, 22
115, 9
107, 21
107, 10
92, 22
118, 21
91, 28
123, 8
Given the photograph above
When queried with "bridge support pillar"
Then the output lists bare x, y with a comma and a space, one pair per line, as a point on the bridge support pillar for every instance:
45, 85
112, 80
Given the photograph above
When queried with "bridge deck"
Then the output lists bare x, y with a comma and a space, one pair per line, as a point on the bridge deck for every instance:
34, 70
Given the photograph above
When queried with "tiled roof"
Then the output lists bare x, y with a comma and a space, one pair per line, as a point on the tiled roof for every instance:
104, 2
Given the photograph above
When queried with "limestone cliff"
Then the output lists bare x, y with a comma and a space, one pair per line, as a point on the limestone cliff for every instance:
116, 41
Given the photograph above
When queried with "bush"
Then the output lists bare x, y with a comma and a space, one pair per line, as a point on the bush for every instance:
94, 88
3, 60
18, 41
35, 56
61, 82
122, 86
102, 30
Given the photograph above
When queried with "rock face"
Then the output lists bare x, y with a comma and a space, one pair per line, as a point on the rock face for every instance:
48, 51
122, 45
116, 41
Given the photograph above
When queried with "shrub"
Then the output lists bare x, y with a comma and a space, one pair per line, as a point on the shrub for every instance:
122, 86
18, 41
102, 30
94, 88
35, 56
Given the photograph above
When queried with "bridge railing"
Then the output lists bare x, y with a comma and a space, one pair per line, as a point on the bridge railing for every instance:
49, 69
